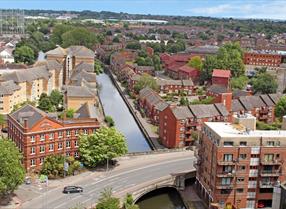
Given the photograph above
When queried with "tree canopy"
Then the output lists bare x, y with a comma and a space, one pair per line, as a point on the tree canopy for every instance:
107, 201
11, 170
264, 83
196, 62
146, 81
24, 54
105, 143
280, 108
239, 82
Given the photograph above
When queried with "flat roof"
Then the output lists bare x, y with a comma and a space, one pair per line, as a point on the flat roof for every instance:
235, 130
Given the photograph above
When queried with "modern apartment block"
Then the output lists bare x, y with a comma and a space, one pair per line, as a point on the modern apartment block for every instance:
238, 165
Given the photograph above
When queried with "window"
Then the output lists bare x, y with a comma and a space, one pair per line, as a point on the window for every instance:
51, 147
68, 154
51, 136
33, 139
60, 145
225, 191
270, 143
68, 144
226, 181
242, 156
243, 143
76, 143
227, 157
240, 180
42, 160
68, 132
76, 154
42, 137
33, 150
268, 157
227, 143
60, 134
85, 131
241, 168
42, 149
76, 132
33, 162
227, 168
239, 190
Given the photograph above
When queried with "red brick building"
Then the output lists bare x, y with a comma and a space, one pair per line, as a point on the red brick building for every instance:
238, 166
38, 134
176, 86
176, 124
262, 59
187, 72
221, 77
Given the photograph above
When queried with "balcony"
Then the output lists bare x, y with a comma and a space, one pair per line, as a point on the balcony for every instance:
225, 174
266, 184
266, 173
225, 162
224, 186
272, 162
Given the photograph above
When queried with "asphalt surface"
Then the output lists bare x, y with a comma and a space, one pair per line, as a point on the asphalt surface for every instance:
118, 180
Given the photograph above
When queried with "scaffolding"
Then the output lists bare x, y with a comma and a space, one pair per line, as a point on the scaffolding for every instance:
12, 22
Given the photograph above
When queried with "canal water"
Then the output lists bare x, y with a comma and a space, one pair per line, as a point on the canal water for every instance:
166, 198
114, 106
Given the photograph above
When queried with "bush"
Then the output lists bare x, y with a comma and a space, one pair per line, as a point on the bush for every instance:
109, 120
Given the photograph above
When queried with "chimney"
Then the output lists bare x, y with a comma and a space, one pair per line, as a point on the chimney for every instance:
25, 123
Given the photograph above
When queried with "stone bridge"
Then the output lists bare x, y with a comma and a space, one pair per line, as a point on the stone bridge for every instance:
174, 180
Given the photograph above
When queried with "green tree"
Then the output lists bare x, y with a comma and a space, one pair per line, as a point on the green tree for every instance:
79, 36
239, 82
105, 144
107, 201
45, 103
53, 166
24, 54
2, 120
70, 113
280, 108
209, 64
116, 40
184, 101
133, 45
12, 172
129, 202
58, 31
56, 98
146, 81
157, 62
109, 120
98, 67
264, 83
196, 62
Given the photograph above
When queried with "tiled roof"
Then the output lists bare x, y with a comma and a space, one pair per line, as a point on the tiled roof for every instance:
79, 91
89, 77
87, 111
204, 110
162, 82
222, 109
29, 113
266, 99
221, 73
182, 112
239, 93
84, 66
8, 87
57, 51
188, 82
250, 102
236, 106
80, 51
217, 89
187, 68
275, 97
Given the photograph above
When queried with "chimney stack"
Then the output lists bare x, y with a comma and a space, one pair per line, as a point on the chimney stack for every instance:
25, 123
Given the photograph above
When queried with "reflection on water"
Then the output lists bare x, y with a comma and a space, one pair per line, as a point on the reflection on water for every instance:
166, 198
114, 106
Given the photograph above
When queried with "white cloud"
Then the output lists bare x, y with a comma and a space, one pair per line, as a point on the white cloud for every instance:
255, 9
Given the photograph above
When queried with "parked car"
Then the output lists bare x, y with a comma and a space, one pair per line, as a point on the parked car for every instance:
72, 189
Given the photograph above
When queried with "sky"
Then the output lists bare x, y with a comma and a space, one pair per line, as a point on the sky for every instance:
265, 9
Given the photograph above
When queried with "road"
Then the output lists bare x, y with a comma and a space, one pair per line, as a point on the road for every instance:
132, 171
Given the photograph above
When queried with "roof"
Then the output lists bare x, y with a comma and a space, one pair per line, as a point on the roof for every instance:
80, 51
222, 109
186, 68
8, 87
84, 66
54, 65
236, 106
79, 91
275, 97
266, 99
182, 112
27, 75
162, 105
29, 113
89, 77
162, 82
251, 102
238, 93
217, 89
87, 111
221, 73
204, 110
57, 51
188, 82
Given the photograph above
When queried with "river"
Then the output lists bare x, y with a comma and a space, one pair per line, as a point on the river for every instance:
165, 198
115, 106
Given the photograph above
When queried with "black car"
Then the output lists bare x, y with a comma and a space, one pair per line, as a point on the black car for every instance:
72, 189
